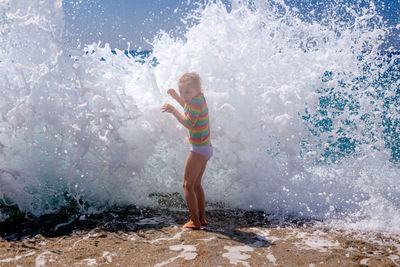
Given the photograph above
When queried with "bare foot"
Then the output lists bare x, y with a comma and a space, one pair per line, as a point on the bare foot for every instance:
190, 224
203, 222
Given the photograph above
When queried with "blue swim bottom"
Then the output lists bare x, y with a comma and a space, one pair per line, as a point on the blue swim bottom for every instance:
206, 151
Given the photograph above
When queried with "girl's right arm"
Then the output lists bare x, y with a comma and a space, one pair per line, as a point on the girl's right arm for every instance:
181, 118
175, 96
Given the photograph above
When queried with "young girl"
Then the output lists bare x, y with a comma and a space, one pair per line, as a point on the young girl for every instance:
195, 119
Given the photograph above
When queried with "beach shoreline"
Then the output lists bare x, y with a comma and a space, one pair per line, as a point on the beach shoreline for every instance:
153, 237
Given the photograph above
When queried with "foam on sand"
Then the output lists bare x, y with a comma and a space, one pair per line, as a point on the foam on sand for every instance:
303, 114
188, 253
17, 257
237, 254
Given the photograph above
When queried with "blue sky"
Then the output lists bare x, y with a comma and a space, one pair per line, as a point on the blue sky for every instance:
121, 21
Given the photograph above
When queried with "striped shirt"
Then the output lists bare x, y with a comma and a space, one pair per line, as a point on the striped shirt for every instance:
196, 114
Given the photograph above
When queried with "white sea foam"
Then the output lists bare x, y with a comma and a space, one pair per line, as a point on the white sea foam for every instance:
90, 262
271, 258
237, 254
394, 258
315, 241
18, 257
78, 130
187, 253
40, 260
177, 236
108, 256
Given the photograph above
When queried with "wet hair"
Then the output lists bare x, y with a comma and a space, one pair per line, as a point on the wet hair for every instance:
192, 78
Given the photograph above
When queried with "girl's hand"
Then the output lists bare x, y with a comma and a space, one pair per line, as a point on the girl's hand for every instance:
168, 108
172, 93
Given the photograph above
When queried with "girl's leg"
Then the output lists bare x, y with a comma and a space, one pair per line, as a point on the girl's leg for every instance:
194, 164
198, 189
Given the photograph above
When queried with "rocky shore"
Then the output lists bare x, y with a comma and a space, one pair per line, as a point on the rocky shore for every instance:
147, 237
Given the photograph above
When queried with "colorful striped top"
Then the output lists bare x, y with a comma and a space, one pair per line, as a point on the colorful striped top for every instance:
197, 117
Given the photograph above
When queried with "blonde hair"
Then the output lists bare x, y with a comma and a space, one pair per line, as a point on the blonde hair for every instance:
192, 78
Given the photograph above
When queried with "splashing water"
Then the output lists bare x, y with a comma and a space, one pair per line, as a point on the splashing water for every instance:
304, 114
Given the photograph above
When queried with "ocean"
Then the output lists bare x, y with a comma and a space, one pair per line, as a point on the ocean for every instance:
305, 119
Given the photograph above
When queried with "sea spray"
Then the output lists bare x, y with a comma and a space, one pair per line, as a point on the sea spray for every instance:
287, 97
60, 118
299, 114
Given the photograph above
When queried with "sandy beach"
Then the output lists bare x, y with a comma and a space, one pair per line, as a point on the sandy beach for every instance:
134, 237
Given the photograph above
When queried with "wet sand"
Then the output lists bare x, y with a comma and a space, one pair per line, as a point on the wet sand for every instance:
133, 237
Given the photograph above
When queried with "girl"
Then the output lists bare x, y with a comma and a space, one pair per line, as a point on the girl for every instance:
195, 119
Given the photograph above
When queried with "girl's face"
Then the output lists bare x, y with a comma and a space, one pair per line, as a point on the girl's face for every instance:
187, 92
